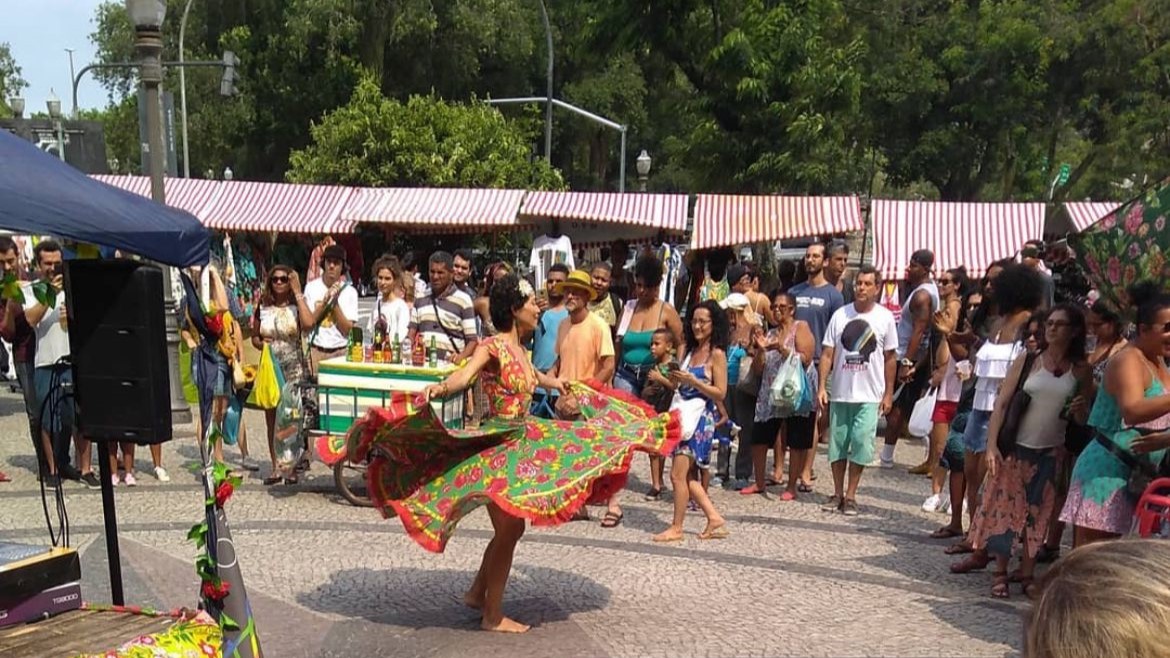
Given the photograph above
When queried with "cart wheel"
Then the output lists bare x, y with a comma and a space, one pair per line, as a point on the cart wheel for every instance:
351, 482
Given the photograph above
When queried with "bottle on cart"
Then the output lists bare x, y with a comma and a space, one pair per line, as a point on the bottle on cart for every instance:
432, 354
354, 349
394, 347
380, 344
418, 352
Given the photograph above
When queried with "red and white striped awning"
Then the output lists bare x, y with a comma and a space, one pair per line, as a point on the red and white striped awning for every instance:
194, 195
447, 208
655, 211
727, 220
280, 207
971, 234
1084, 214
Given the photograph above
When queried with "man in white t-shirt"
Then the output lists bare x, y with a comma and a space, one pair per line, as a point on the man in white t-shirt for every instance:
859, 353
52, 331
328, 308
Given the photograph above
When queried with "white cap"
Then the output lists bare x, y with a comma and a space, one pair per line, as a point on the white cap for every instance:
736, 300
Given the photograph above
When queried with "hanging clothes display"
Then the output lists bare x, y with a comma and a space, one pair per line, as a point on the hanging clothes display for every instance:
548, 251
672, 265
242, 270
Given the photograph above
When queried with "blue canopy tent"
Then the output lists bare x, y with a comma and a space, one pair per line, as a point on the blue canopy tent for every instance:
40, 195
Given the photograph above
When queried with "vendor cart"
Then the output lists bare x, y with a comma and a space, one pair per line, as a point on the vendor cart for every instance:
347, 389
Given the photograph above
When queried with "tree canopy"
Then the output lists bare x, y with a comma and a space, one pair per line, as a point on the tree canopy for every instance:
952, 100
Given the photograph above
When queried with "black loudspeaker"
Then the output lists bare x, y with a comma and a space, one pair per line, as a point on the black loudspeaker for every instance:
117, 336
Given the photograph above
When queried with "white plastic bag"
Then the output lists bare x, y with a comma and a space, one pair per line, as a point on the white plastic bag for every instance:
788, 386
920, 419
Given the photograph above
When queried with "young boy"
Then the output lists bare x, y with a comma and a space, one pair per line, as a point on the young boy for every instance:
659, 391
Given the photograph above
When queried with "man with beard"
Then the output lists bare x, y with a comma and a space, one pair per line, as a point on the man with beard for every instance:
461, 272
816, 302
860, 344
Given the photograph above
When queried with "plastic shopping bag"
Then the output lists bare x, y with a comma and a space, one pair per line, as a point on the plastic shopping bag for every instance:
269, 382
920, 419
789, 385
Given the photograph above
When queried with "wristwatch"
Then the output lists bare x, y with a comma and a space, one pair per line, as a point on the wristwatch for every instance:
906, 363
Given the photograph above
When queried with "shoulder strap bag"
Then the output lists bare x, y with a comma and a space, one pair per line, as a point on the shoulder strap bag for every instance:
1017, 407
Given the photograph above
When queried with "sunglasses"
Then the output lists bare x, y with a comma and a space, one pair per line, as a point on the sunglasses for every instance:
280, 279
946, 281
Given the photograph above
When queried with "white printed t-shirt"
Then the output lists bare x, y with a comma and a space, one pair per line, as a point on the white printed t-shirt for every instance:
329, 337
547, 252
860, 342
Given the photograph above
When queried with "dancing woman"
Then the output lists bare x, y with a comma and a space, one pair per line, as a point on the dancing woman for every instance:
523, 468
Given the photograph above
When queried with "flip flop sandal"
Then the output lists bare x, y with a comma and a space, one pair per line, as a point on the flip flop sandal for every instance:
999, 587
272, 479
804, 487
718, 533
946, 532
653, 494
611, 520
773, 482
972, 563
666, 540
959, 548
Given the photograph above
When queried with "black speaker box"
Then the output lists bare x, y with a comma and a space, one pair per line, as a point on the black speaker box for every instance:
117, 336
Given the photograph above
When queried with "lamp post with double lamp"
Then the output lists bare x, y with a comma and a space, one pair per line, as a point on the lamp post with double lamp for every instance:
54, 106
642, 165
147, 17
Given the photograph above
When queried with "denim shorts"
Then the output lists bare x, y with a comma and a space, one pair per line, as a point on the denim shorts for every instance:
975, 434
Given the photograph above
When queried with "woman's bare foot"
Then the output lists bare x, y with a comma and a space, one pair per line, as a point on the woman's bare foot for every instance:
504, 625
473, 600
669, 535
716, 529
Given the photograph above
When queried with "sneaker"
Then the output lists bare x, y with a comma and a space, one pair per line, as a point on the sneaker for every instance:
70, 472
90, 480
161, 475
886, 464
129, 480
944, 504
717, 481
931, 503
113, 480
739, 484
249, 464
849, 507
52, 481
833, 504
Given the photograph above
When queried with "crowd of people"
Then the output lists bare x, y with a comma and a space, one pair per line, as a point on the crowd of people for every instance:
1040, 408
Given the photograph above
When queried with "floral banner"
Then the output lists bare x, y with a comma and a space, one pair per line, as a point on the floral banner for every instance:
1132, 244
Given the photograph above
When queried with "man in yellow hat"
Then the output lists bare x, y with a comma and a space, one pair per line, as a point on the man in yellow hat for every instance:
584, 352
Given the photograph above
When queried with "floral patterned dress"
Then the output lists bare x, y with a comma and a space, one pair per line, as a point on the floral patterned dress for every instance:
535, 469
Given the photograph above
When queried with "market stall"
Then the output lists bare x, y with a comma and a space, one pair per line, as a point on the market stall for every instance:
973, 235
347, 389
1083, 214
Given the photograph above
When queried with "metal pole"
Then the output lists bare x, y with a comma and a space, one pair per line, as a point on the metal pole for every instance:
183, 91
622, 173
149, 46
71, 75
61, 140
548, 94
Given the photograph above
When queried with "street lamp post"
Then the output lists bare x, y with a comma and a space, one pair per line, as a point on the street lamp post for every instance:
54, 106
548, 94
642, 164
147, 16
17, 105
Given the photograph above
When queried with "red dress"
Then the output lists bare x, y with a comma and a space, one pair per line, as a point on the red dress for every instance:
536, 469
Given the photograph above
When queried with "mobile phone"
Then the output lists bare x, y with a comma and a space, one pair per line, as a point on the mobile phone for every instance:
58, 268
672, 366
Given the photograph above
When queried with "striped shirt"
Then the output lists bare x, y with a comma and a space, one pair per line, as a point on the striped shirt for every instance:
454, 326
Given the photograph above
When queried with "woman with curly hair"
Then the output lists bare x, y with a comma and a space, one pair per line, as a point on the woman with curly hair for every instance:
522, 467
701, 386
1016, 292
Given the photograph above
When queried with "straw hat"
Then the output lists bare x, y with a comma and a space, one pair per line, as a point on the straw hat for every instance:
580, 280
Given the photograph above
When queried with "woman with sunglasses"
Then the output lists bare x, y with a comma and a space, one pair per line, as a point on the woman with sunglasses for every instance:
1020, 491
275, 324
948, 322
1131, 415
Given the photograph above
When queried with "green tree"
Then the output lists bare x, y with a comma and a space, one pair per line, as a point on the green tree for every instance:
377, 141
11, 81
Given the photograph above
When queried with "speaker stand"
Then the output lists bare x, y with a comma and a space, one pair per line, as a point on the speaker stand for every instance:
113, 554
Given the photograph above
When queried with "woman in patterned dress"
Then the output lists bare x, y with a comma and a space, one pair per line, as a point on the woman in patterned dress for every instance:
521, 467
275, 324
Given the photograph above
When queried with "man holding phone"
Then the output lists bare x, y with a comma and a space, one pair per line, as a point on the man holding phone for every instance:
50, 323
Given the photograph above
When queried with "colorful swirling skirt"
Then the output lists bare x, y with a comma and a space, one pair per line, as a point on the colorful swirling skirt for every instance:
539, 470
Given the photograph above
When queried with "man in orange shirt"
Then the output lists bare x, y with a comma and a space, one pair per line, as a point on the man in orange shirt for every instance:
584, 352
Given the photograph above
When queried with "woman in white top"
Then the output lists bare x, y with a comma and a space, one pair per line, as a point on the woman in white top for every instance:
1020, 492
391, 305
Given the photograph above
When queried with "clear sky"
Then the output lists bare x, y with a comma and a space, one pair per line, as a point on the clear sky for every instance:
39, 31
